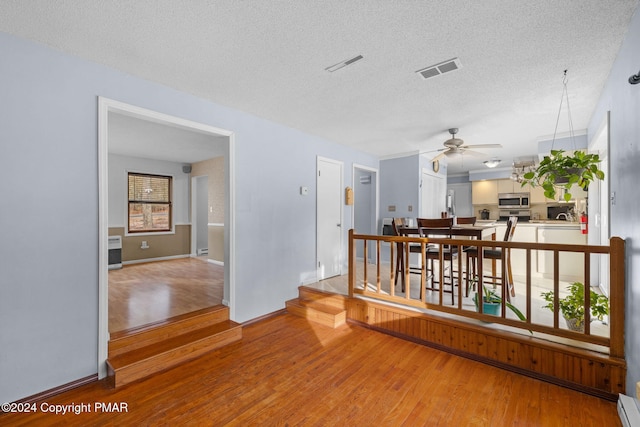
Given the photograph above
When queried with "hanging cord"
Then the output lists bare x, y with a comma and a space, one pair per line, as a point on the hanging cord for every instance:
565, 93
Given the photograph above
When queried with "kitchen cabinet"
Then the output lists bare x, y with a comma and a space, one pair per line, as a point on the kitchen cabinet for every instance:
510, 186
484, 192
571, 264
537, 194
576, 194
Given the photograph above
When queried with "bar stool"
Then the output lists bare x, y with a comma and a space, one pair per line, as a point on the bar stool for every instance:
439, 227
495, 254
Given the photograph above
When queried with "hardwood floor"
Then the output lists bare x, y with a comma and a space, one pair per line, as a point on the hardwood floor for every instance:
140, 294
287, 371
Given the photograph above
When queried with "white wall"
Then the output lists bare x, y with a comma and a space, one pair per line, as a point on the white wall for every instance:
623, 100
400, 186
49, 185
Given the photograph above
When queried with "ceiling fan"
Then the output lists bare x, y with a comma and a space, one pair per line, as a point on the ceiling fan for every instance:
455, 145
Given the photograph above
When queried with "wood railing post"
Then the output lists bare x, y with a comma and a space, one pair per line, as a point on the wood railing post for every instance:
616, 296
352, 263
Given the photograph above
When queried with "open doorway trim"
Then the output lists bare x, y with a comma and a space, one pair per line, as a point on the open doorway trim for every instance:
105, 106
374, 171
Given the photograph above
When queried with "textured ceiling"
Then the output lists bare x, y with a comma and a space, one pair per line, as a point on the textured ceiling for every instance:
268, 58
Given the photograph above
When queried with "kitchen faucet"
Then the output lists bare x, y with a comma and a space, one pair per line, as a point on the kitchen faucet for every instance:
567, 216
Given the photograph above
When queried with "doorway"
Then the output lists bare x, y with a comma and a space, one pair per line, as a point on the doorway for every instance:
329, 218
365, 205
199, 215
225, 140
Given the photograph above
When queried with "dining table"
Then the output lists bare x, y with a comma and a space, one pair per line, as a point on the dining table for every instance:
478, 232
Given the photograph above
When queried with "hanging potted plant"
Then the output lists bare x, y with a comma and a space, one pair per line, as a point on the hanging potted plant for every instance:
572, 306
559, 171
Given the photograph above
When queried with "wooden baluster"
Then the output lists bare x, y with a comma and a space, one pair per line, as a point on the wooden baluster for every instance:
587, 294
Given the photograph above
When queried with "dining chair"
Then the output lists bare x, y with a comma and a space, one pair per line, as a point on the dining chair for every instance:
396, 225
466, 220
494, 254
441, 228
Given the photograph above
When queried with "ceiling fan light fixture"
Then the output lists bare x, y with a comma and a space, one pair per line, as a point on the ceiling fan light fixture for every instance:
492, 163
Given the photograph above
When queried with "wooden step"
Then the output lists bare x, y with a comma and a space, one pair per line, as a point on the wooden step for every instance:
326, 298
144, 361
319, 312
126, 341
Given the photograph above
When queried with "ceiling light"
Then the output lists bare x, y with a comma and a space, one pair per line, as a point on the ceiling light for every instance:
492, 163
344, 63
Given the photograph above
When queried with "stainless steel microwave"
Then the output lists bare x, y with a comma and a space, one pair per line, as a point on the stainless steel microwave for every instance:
513, 200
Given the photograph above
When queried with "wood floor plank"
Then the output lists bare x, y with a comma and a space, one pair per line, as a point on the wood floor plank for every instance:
145, 293
288, 371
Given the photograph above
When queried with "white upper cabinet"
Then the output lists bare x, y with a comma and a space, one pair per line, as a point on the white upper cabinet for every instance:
484, 192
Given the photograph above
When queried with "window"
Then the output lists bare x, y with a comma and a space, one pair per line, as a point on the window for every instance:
149, 203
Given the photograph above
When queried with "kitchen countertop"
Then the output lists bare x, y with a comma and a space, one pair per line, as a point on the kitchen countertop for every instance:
534, 223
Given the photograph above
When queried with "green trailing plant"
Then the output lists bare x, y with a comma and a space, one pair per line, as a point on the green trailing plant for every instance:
572, 305
559, 170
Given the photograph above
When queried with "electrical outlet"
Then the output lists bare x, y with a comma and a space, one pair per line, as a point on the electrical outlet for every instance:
410, 208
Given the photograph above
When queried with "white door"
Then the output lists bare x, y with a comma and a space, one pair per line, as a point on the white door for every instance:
433, 195
329, 218
199, 214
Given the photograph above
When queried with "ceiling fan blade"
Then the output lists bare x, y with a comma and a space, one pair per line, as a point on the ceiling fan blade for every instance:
433, 151
482, 146
439, 156
474, 153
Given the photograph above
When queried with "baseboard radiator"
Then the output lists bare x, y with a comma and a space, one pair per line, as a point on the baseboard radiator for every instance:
115, 252
628, 411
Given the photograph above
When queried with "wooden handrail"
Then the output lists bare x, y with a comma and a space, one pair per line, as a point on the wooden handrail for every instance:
616, 252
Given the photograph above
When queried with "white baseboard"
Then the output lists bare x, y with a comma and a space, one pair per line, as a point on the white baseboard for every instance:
216, 262
164, 258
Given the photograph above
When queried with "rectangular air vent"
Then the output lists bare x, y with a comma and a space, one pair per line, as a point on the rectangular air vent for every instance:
441, 68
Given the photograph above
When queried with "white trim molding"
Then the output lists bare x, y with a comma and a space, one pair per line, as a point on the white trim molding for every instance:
106, 106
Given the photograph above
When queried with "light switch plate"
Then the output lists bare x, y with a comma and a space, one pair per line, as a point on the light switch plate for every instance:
304, 191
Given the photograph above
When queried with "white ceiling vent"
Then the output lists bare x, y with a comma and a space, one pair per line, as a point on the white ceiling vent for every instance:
441, 68
343, 64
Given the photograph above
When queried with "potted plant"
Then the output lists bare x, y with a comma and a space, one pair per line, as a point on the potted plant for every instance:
572, 306
559, 170
491, 303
